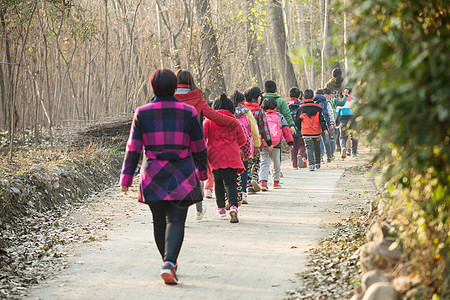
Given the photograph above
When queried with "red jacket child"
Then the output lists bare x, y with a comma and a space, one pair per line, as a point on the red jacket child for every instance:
223, 144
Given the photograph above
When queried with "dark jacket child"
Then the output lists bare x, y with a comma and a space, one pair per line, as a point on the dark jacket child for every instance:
173, 164
252, 98
279, 129
311, 123
224, 143
298, 158
328, 115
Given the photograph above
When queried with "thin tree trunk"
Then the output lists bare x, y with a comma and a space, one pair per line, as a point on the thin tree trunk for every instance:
345, 42
13, 106
302, 31
252, 52
106, 99
324, 44
215, 81
279, 35
47, 80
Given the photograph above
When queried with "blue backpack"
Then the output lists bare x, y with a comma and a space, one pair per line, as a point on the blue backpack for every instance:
321, 100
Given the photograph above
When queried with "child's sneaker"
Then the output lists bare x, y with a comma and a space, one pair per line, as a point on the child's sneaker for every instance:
264, 186
317, 167
208, 193
256, 186
311, 167
222, 212
328, 159
244, 198
250, 191
234, 214
227, 205
354, 154
201, 214
304, 162
343, 153
277, 185
300, 161
169, 274
348, 152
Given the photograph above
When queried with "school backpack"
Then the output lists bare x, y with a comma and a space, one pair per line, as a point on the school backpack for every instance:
319, 99
332, 102
275, 127
311, 124
247, 148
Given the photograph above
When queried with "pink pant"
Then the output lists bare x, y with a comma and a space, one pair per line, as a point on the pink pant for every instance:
210, 182
299, 148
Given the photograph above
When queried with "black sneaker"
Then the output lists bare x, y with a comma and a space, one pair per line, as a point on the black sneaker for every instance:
250, 191
169, 274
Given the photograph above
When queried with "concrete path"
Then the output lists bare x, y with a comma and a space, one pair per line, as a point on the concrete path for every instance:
254, 259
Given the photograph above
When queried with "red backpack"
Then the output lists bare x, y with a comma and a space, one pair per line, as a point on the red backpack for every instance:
311, 124
275, 126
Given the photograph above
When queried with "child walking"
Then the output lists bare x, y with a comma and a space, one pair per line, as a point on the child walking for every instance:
311, 123
278, 128
247, 120
252, 99
173, 164
298, 157
223, 143
187, 92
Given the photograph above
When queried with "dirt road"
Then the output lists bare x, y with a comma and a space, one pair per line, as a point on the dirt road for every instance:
254, 259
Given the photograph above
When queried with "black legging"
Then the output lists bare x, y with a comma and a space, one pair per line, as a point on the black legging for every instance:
168, 227
225, 179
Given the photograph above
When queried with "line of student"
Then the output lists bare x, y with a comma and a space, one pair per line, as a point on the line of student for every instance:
229, 145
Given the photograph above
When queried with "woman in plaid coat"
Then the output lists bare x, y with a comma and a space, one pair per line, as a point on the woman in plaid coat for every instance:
173, 164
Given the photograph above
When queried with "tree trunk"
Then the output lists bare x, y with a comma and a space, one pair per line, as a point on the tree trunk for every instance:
106, 99
215, 82
252, 52
302, 31
279, 35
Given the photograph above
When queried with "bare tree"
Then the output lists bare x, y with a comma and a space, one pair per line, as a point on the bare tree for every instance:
279, 35
215, 81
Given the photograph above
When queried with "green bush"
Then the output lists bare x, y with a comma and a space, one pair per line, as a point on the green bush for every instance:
401, 62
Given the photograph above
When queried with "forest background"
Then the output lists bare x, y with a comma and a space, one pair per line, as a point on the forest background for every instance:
65, 63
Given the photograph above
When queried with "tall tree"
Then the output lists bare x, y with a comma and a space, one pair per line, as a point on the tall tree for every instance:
215, 81
279, 35
252, 51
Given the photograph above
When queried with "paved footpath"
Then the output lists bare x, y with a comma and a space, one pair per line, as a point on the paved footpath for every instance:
254, 259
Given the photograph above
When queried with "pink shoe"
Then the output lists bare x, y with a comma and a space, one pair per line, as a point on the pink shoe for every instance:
222, 212
234, 214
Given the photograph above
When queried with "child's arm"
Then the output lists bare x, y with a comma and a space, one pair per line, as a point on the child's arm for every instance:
254, 129
264, 130
298, 121
287, 134
322, 122
283, 108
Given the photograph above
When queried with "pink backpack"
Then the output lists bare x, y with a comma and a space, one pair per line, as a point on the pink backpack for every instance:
275, 127
247, 149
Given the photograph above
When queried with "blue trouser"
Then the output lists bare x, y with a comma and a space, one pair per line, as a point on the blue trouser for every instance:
313, 150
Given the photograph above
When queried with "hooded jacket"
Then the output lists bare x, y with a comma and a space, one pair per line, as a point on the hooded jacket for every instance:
310, 108
223, 144
333, 86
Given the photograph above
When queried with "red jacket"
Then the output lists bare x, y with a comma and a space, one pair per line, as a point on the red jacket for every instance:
223, 144
195, 99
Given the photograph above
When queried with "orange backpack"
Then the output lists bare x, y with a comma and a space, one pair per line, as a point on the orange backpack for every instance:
311, 124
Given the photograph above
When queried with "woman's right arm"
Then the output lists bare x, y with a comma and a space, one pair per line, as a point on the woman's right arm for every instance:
133, 153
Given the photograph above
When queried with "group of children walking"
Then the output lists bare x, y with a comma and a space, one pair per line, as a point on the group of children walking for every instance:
192, 148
